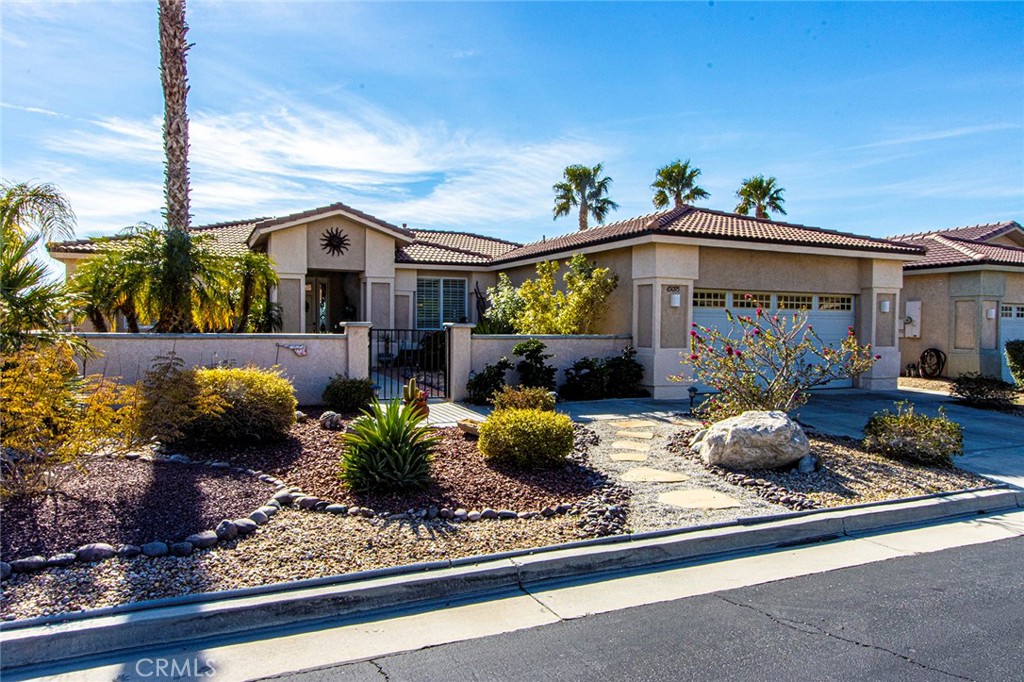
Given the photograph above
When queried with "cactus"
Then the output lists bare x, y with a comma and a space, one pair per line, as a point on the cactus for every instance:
410, 391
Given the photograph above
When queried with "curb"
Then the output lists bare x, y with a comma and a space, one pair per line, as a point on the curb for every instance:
165, 622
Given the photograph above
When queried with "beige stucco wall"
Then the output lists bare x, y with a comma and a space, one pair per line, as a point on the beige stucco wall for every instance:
129, 356
954, 317
287, 248
773, 271
354, 259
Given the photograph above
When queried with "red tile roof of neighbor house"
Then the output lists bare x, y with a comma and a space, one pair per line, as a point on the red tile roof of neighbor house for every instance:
702, 223
964, 246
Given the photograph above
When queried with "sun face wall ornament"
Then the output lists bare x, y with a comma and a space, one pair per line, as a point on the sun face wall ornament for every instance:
334, 241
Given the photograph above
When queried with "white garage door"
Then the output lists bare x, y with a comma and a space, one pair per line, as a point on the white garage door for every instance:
1011, 328
830, 315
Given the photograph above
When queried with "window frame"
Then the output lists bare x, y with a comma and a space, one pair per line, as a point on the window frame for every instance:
439, 283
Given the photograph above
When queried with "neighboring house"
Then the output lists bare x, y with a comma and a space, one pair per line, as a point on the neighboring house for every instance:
965, 297
675, 267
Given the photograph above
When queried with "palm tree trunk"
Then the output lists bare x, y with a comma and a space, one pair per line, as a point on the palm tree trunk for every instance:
97, 321
760, 212
175, 309
583, 214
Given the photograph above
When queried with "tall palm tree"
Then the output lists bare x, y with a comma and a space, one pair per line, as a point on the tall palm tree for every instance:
762, 195
584, 187
174, 305
677, 181
32, 305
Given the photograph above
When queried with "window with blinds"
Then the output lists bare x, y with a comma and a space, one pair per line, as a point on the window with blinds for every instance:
440, 300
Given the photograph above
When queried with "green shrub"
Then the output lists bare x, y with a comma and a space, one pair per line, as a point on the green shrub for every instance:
911, 437
388, 449
1015, 360
487, 382
530, 439
522, 398
623, 375
984, 391
533, 371
348, 395
587, 379
216, 404
258, 405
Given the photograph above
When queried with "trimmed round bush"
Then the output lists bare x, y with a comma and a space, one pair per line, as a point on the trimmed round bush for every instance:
982, 390
529, 439
1015, 360
348, 395
908, 436
521, 398
250, 404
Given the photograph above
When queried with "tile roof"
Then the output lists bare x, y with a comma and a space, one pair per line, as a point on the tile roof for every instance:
690, 221
229, 239
944, 251
982, 232
337, 206
452, 248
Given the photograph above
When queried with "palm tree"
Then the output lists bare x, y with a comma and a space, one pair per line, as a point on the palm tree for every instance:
584, 187
253, 273
762, 195
174, 298
679, 182
32, 305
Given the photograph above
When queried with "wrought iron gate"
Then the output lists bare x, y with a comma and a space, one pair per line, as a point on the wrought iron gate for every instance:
397, 355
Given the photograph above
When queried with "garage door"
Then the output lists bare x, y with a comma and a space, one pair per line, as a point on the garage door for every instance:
830, 315
1011, 328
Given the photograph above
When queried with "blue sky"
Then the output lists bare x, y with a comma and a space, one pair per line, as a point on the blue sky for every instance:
875, 118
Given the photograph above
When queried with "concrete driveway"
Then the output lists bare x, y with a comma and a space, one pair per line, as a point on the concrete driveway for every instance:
993, 441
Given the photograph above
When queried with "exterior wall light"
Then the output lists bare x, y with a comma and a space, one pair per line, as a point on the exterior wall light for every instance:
990, 314
675, 300
884, 306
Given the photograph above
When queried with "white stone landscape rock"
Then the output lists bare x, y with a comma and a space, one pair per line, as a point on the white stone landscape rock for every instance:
752, 440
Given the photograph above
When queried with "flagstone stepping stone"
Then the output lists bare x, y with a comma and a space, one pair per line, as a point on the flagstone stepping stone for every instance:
628, 457
645, 435
634, 424
698, 498
631, 445
649, 475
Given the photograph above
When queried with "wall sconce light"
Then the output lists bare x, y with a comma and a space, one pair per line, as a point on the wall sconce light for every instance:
675, 300
990, 314
884, 306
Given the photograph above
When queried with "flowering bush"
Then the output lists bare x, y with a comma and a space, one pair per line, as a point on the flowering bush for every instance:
768, 362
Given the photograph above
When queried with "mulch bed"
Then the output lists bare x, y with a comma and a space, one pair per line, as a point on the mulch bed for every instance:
119, 501
309, 459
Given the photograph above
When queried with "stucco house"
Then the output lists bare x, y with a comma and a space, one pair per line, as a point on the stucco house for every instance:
677, 266
965, 297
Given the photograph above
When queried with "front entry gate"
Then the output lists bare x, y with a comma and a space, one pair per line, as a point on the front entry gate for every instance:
397, 355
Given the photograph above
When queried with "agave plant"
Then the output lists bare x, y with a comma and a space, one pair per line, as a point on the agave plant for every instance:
388, 448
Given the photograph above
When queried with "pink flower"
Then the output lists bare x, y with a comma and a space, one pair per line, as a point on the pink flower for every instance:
694, 325
728, 350
739, 354
810, 328
694, 356
850, 329
878, 357
693, 333
747, 296
758, 311
756, 332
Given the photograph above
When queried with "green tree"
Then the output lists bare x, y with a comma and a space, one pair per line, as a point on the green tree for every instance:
172, 294
576, 310
762, 195
584, 188
32, 304
677, 182
253, 275
505, 305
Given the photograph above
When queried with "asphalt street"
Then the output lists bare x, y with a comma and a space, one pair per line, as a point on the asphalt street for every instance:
956, 614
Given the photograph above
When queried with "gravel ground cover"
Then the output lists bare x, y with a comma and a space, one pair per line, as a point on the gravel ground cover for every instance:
293, 546
119, 501
941, 385
309, 458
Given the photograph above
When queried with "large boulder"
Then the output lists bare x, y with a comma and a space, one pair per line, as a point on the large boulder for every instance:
752, 440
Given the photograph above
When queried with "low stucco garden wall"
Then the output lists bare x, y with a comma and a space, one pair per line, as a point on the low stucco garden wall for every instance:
129, 356
488, 349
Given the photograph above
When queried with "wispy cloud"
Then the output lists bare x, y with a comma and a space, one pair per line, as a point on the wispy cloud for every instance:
931, 136
287, 156
31, 110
